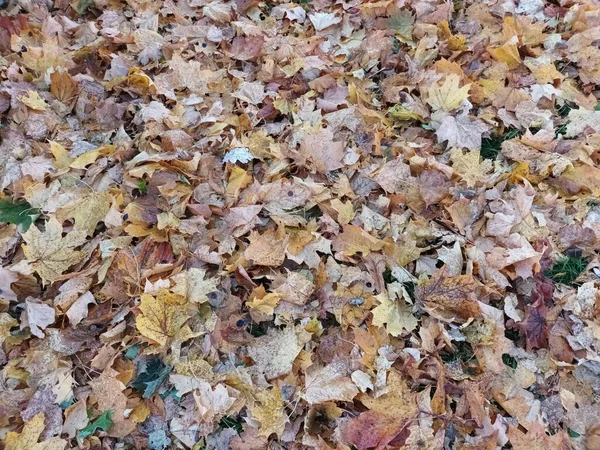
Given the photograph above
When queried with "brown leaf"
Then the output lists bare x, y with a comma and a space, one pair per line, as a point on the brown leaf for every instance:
450, 299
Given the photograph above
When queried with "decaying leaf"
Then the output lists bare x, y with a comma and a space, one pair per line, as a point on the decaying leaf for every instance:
451, 299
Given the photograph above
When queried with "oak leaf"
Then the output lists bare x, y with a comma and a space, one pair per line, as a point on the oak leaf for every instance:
49, 253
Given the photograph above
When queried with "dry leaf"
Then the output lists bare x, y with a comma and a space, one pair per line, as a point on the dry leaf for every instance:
28, 438
49, 253
162, 319
395, 314
270, 413
450, 299
329, 383
448, 96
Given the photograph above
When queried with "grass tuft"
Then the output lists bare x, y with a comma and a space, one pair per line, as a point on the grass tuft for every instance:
567, 269
491, 146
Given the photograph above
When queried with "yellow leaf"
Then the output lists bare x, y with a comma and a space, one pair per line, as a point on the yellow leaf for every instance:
140, 81
238, 180
89, 157
265, 305
270, 413
140, 413
345, 211
543, 73
448, 96
395, 314
87, 211
49, 253
354, 239
470, 167
398, 402
507, 53
6, 323
162, 319
61, 156
28, 438
33, 100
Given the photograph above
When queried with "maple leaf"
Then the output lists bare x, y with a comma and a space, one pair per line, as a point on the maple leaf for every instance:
386, 416
6, 323
193, 285
87, 211
451, 299
448, 95
49, 253
162, 319
462, 131
275, 352
354, 239
28, 438
102, 422
536, 438
395, 314
267, 249
470, 166
270, 413
33, 100
329, 383
323, 151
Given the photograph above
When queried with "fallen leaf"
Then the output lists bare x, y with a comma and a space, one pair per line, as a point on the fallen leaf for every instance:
450, 299
470, 166
28, 438
395, 314
462, 131
270, 413
162, 319
39, 316
87, 212
49, 253
448, 95
329, 383
274, 353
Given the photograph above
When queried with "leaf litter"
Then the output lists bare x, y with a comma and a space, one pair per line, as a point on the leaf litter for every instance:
331, 225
